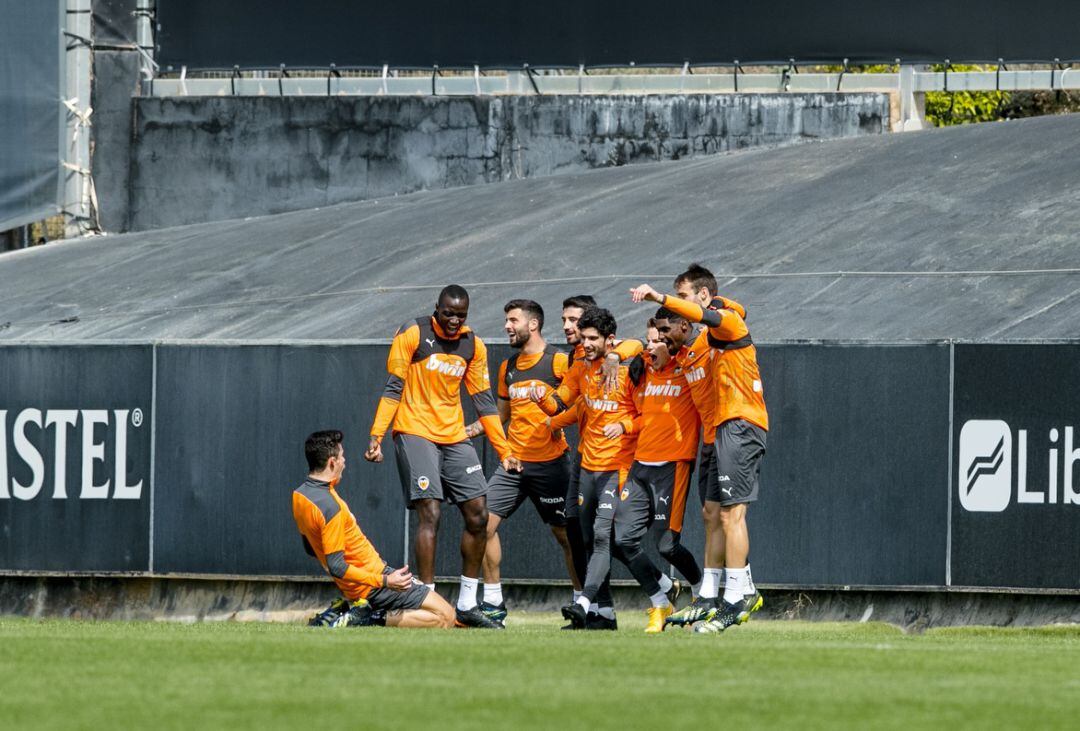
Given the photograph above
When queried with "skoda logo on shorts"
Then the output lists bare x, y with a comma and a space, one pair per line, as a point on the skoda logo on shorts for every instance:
423, 482
625, 493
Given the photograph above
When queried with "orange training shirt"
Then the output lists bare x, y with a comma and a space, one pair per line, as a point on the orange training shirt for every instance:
669, 426
736, 377
586, 386
528, 432
423, 391
331, 531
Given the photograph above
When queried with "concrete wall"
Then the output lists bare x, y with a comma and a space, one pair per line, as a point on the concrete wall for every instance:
197, 159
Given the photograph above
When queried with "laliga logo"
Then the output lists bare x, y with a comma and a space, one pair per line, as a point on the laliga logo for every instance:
986, 467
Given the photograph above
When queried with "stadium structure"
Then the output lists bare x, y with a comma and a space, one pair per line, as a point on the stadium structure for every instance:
910, 293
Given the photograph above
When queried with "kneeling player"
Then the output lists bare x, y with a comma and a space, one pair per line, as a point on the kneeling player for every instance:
373, 592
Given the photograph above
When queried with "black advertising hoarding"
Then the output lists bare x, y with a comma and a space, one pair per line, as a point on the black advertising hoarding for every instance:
75, 461
230, 451
859, 486
1016, 487
497, 34
853, 483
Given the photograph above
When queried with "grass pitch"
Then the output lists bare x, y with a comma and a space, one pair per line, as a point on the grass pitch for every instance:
101, 675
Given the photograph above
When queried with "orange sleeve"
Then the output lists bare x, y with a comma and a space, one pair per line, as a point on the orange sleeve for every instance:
724, 324
568, 393
362, 575
501, 389
477, 378
397, 366
629, 348
560, 364
333, 538
493, 428
566, 418
731, 305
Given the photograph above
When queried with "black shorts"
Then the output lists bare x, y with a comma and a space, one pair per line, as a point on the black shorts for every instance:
706, 471
438, 471
740, 446
667, 485
542, 482
390, 600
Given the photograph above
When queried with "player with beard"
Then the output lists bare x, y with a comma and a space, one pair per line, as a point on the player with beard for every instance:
742, 424
430, 358
602, 614
544, 453
606, 446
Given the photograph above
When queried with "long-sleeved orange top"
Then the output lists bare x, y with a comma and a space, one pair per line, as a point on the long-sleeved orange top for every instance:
331, 534
695, 360
528, 432
423, 391
625, 349
735, 373
585, 386
668, 424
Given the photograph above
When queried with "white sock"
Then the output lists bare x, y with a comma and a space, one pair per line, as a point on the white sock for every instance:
606, 612
665, 582
733, 587
584, 603
430, 586
577, 595
749, 588
593, 606
493, 594
659, 599
466, 598
710, 584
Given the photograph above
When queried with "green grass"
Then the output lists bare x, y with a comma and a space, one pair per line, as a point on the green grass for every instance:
102, 675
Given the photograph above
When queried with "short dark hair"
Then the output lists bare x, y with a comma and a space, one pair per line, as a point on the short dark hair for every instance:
651, 322
581, 301
598, 319
321, 446
663, 313
532, 310
698, 277
453, 292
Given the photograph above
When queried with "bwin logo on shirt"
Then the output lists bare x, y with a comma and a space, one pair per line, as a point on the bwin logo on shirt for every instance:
519, 392
601, 404
666, 389
695, 375
985, 479
450, 369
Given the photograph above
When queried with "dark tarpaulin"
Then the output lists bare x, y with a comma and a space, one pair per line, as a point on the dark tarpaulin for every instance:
491, 33
30, 119
115, 22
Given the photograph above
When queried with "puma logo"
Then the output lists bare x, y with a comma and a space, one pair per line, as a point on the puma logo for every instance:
430, 342
726, 491
609, 492
664, 499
